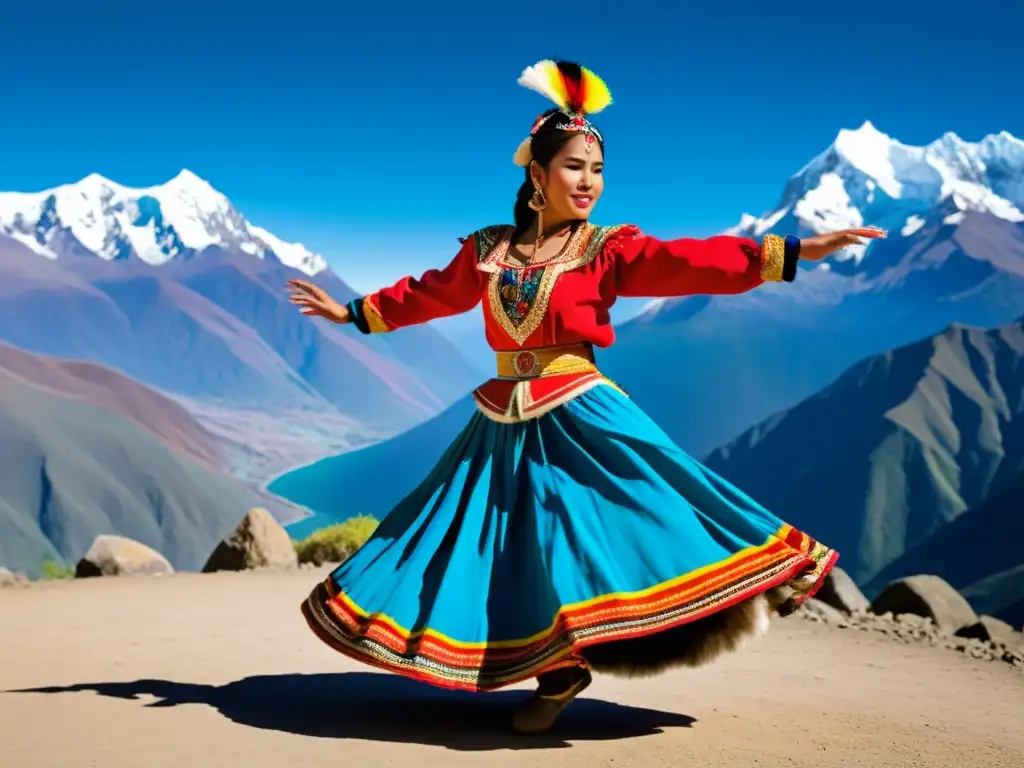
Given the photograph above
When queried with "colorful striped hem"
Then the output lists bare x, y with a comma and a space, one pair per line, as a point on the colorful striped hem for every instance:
790, 558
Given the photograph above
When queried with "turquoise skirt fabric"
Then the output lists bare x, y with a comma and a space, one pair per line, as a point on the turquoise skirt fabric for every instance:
530, 543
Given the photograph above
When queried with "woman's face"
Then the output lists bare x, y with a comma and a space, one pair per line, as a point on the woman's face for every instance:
574, 181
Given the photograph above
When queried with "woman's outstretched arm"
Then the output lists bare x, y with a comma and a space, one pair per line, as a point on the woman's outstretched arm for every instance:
723, 264
438, 293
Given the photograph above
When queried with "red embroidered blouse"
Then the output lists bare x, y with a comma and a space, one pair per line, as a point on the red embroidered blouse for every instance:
565, 300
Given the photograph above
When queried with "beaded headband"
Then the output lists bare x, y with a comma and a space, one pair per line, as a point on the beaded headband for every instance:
576, 91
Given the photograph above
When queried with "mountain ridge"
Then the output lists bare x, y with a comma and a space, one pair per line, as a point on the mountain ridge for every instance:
867, 177
177, 219
770, 348
993, 578
900, 446
217, 330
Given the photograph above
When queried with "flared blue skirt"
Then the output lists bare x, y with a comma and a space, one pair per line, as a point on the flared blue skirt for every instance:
582, 536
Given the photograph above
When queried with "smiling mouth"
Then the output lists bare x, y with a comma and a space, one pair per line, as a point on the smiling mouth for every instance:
582, 200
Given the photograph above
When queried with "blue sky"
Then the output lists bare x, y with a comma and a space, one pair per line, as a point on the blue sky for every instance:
377, 139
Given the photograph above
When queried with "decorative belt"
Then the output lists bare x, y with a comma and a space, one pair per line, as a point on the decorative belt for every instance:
546, 361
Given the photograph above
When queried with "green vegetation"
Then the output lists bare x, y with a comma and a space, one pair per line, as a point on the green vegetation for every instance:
336, 543
54, 569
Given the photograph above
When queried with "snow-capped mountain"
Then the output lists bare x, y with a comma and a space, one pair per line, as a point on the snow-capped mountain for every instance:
174, 220
955, 253
867, 178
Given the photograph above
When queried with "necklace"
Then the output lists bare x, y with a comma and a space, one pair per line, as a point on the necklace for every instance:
539, 241
542, 238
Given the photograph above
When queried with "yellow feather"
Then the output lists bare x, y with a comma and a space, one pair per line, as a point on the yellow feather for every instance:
597, 94
558, 85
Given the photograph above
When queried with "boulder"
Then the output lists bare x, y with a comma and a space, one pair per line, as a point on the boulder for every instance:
8, 579
840, 591
993, 630
259, 541
120, 556
927, 596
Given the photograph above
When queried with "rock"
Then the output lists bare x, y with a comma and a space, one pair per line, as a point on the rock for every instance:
816, 610
259, 541
840, 592
993, 630
120, 556
906, 628
8, 579
927, 596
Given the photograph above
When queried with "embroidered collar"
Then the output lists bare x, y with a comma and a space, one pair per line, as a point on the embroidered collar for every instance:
518, 295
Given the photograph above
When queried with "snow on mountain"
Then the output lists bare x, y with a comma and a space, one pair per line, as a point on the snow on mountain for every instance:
176, 219
868, 178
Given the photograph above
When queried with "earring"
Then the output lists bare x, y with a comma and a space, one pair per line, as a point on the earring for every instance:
538, 202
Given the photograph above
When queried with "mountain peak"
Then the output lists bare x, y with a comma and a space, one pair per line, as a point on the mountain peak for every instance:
187, 176
94, 183
869, 150
186, 179
866, 132
94, 178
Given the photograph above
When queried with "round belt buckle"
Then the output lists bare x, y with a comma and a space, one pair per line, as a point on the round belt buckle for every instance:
525, 364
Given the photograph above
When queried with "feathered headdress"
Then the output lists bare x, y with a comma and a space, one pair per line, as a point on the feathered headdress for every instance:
575, 90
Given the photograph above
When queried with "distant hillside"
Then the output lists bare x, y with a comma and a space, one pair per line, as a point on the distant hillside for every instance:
373, 479
85, 450
980, 553
901, 445
112, 391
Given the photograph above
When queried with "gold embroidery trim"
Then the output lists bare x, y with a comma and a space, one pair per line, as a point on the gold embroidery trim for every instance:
584, 246
773, 258
520, 333
486, 239
489, 262
372, 315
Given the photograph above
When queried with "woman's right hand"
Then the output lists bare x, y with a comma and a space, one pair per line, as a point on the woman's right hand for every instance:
314, 300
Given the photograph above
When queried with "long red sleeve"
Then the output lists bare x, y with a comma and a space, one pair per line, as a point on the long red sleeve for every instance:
455, 289
647, 266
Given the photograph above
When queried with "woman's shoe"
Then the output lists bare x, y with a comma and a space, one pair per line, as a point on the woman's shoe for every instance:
538, 713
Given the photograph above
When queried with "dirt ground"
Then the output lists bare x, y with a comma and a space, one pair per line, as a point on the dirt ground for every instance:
202, 671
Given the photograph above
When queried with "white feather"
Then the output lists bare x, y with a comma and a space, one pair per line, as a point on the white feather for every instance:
538, 78
523, 156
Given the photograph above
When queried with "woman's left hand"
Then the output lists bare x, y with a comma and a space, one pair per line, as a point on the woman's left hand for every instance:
820, 246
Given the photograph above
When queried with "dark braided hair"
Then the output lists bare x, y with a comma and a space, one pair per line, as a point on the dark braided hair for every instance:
544, 145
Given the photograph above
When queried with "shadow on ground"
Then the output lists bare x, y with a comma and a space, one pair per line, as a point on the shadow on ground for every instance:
387, 708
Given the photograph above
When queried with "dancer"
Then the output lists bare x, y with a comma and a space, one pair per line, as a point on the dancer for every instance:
563, 531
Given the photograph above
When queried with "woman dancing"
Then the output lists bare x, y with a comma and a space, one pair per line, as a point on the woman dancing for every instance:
563, 531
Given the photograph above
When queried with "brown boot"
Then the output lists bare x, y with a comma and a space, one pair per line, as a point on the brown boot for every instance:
554, 692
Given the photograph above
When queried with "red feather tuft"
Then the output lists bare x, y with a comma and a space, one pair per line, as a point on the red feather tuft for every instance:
572, 76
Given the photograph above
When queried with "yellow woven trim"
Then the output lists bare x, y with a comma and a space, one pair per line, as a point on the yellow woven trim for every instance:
374, 321
750, 559
616, 387
773, 258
